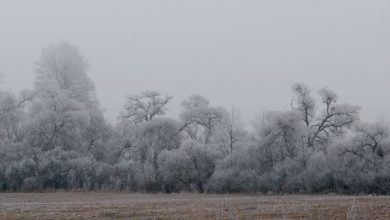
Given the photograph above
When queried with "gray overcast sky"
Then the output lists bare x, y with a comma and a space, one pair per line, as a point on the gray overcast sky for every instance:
246, 53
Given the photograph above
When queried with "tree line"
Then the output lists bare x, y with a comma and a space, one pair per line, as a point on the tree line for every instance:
54, 137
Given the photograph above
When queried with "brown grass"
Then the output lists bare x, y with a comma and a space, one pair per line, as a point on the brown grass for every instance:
68, 205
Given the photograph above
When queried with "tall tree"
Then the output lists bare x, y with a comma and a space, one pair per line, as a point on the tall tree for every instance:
231, 130
65, 111
63, 65
332, 119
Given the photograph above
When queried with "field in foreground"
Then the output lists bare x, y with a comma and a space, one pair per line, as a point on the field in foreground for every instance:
68, 205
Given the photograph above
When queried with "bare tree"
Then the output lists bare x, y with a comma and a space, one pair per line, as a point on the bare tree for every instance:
13, 113
144, 107
231, 130
200, 120
330, 122
305, 104
369, 139
280, 137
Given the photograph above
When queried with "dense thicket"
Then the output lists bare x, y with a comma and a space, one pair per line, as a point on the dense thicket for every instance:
55, 137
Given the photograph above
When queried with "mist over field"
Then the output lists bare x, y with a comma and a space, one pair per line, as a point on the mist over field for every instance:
246, 54
193, 101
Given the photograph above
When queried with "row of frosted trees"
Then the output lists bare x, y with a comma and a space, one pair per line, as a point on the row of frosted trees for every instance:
55, 137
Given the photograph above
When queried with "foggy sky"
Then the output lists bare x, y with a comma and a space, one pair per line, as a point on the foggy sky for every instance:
241, 53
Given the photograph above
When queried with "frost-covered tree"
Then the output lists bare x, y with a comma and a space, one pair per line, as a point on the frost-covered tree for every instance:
141, 136
360, 160
56, 137
369, 143
96, 135
141, 131
145, 107
64, 109
330, 121
231, 130
13, 115
238, 173
370, 138
200, 120
64, 65
187, 168
281, 136
156, 136
56, 120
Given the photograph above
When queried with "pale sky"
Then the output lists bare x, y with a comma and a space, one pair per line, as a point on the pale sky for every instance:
242, 53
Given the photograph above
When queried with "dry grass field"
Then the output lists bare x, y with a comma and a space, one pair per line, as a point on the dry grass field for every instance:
69, 205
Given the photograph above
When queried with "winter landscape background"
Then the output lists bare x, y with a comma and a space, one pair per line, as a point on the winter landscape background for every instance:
194, 110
